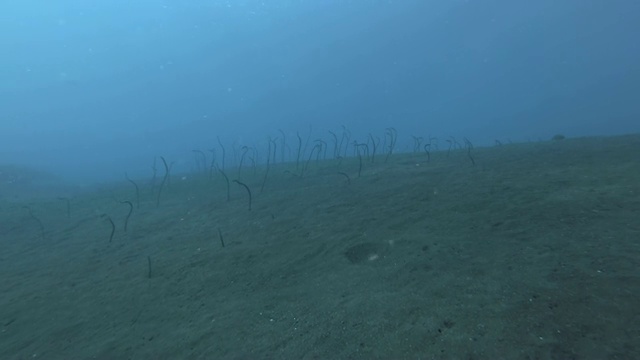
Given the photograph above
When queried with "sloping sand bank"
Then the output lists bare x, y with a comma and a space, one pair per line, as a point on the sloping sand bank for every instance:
533, 253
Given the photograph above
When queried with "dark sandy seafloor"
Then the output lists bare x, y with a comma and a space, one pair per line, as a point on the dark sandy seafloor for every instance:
533, 253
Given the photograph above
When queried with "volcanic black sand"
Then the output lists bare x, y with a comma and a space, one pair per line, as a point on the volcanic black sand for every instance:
533, 253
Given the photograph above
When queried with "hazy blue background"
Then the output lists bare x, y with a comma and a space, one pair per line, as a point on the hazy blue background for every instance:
96, 88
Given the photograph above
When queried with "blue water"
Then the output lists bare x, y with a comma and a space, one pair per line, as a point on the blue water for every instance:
90, 90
